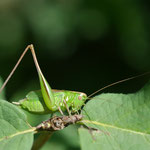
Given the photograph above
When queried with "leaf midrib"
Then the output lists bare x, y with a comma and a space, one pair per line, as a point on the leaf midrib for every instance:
114, 127
18, 133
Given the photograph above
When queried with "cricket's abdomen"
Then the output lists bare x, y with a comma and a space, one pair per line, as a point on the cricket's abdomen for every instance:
35, 106
34, 103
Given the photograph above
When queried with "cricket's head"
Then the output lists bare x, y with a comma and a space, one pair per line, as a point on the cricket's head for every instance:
79, 101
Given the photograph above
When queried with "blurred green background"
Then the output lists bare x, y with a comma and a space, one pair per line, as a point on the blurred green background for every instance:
80, 45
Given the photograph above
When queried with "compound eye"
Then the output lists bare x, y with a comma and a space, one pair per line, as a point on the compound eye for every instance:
80, 97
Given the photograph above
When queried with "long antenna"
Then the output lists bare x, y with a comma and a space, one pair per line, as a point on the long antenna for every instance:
29, 47
118, 83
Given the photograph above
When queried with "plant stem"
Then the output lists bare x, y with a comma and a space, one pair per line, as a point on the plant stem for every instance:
41, 140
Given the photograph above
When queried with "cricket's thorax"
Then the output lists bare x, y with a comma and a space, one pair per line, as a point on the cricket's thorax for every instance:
73, 99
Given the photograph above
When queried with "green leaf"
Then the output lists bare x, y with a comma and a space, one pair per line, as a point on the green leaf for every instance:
122, 121
15, 132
